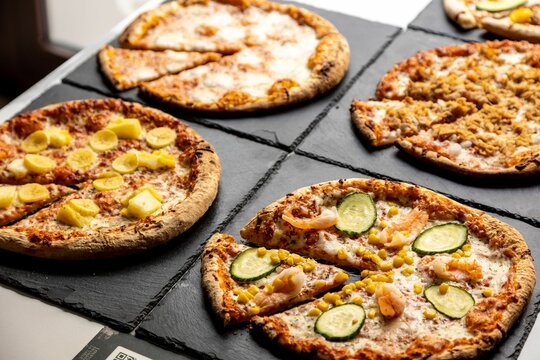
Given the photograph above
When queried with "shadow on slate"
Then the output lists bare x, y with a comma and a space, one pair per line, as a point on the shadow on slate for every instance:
182, 317
433, 19
336, 138
117, 291
281, 126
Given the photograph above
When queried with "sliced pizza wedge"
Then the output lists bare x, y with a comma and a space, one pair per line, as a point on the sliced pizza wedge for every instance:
17, 202
127, 68
242, 282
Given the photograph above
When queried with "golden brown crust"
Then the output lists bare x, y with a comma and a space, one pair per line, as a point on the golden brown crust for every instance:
508, 29
218, 283
488, 321
141, 234
458, 11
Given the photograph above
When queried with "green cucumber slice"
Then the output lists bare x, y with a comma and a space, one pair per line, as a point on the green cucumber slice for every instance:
455, 303
499, 5
249, 266
341, 323
445, 238
356, 213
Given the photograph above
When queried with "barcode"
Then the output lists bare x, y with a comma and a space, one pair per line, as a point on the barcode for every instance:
123, 356
121, 353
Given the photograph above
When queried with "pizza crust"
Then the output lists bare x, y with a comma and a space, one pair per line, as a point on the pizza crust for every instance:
139, 235
508, 29
491, 323
459, 12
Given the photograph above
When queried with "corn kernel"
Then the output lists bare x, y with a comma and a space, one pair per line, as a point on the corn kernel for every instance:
278, 284
460, 252
382, 254
367, 281
308, 266
261, 251
373, 231
314, 312
357, 300
430, 314
456, 255
323, 306
298, 259
359, 284
290, 261
254, 310
466, 247
379, 278
237, 291
418, 288
328, 297
398, 261
253, 290
274, 259
242, 298
386, 266
373, 239
364, 273
521, 15
376, 259
342, 254
360, 250
341, 277
283, 254
383, 224
371, 288
409, 260
443, 288
393, 211
405, 232
269, 288
371, 313
348, 291
248, 294
408, 271
320, 283
402, 252
467, 253
487, 292
338, 302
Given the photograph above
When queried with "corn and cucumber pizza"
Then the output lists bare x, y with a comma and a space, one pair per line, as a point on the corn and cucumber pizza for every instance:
100, 178
513, 19
228, 55
469, 108
437, 279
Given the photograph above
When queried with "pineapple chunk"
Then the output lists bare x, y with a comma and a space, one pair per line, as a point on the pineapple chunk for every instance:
33, 192
17, 168
143, 204
126, 164
109, 180
35, 142
153, 191
81, 159
126, 128
68, 215
164, 159
38, 164
148, 160
7, 195
85, 207
160, 137
58, 137
104, 140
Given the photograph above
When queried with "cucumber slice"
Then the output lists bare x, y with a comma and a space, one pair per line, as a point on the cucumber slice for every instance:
249, 266
445, 238
455, 303
356, 213
341, 323
499, 5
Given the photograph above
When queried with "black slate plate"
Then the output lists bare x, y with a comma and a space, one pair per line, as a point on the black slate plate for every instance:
433, 19
365, 38
182, 319
336, 138
119, 291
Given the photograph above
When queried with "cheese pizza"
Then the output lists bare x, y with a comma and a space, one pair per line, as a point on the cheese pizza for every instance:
137, 178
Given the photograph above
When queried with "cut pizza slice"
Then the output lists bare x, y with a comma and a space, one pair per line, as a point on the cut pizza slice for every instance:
242, 282
521, 24
127, 68
17, 202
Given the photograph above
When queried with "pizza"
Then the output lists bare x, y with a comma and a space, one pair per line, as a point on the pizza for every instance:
100, 178
437, 279
513, 19
263, 55
468, 108
127, 69
241, 281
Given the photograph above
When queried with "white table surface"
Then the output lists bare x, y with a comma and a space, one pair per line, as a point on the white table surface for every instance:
29, 326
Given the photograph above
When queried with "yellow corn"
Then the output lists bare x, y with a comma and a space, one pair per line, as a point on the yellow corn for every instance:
261, 251
430, 314
456, 255
254, 310
382, 254
323, 306
340, 277
308, 265
242, 298
359, 284
466, 247
373, 231
386, 266
398, 261
402, 252
290, 261
298, 259
364, 273
521, 15
253, 290
283, 254
357, 300
278, 284
383, 224
371, 313
248, 294
409, 260
275, 259
360, 250
405, 232
371, 288
269, 288
338, 302
460, 252
487, 292
393, 211
373, 239
342, 254
408, 271
443, 288
320, 283
379, 278
418, 288
467, 253
314, 312
237, 291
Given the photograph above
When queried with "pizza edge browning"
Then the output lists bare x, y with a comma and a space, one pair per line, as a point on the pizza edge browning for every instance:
505, 27
498, 232
142, 234
458, 12
217, 282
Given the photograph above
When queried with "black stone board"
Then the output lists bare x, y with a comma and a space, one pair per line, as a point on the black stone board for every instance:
336, 138
283, 126
182, 320
119, 291
433, 19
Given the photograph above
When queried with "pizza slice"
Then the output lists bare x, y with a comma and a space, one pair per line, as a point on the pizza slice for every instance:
242, 282
17, 202
127, 68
